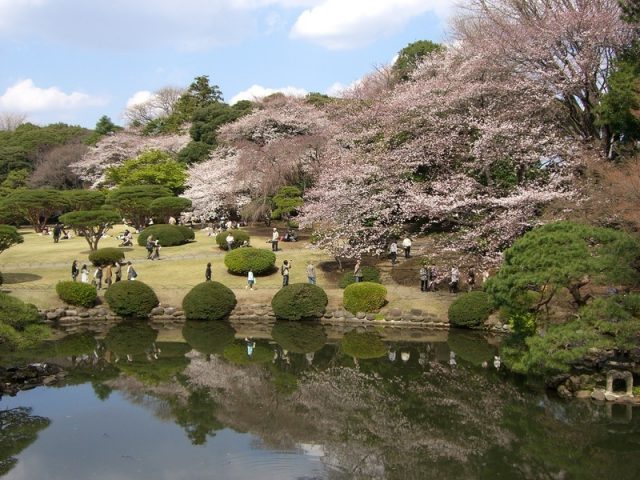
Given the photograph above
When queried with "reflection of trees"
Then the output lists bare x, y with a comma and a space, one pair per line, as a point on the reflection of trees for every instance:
208, 337
197, 416
363, 344
299, 337
18, 430
130, 338
160, 365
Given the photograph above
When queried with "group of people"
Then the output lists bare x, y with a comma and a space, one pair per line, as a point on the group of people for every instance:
429, 278
103, 275
393, 249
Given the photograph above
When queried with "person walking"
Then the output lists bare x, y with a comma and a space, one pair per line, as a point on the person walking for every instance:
156, 250
150, 245
118, 271
455, 280
393, 252
357, 272
275, 236
251, 280
431, 278
284, 270
230, 241
97, 277
207, 273
424, 278
84, 274
75, 271
131, 272
107, 274
406, 245
57, 231
311, 273
471, 278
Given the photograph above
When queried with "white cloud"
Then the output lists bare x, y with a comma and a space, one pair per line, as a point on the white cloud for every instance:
25, 96
143, 96
336, 24
255, 92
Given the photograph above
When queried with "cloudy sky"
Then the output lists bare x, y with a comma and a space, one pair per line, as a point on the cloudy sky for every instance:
75, 60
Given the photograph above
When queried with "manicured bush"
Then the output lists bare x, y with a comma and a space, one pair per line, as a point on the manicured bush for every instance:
364, 297
208, 337
299, 337
168, 235
241, 260
239, 237
130, 338
106, 256
470, 309
77, 293
16, 313
369, 274
208, 301
237, 353
299, 301
363, 345
131, 299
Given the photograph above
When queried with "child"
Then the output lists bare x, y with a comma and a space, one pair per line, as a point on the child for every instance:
251, 280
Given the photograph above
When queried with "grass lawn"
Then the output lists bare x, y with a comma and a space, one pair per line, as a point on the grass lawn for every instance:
33, 268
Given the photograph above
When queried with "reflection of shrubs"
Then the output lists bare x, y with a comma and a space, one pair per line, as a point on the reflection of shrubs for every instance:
106, 256
77, 293
364, 297
237, 353
299, 301
239, 237
299, 337
208, 337
131, 299
167, 235
470, 309
363, 345
470, 347
369, 274
208, 301
241, 260
75, 344
130, 338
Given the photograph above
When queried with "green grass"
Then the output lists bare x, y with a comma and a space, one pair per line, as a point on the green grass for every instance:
33, 268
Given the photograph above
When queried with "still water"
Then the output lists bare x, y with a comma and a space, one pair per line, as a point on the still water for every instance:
300, 403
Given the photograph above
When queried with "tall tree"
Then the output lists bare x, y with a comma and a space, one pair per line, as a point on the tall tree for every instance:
36, 206
134, 202
153, 167
91, 224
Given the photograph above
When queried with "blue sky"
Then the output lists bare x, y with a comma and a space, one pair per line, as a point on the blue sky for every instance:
75, 60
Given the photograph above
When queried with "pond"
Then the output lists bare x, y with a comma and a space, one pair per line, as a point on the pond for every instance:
300, 403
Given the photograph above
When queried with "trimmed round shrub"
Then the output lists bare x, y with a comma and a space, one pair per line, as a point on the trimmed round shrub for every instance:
130, 338
470, 309
239, 237
106, 256
299, 337
208, 337
363, 345
364, 297
16, 313
369, 274
131, 299
168, 235
299, 301
241, 260
77, 293
237, 353
208, 301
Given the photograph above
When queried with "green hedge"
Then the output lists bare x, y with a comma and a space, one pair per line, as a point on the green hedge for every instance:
369, 274
239, 236
299, 301
470, 309
106, 256
168, 235
131, 299
77, 293
364, 297
241, 260
208, 301
208, 337
17, 314
363, 345
299, 337
130, 338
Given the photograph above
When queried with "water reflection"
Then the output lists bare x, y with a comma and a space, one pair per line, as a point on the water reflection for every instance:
360, 405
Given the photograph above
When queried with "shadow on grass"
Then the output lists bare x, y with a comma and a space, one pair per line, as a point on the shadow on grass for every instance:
13, 278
